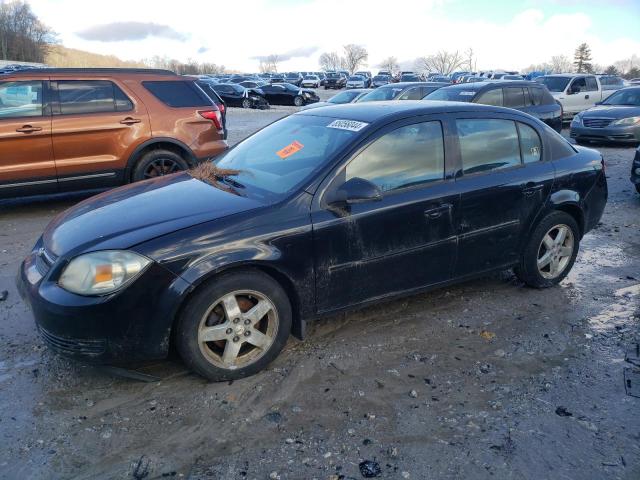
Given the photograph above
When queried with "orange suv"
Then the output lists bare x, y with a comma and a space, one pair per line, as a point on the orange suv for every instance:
64, 129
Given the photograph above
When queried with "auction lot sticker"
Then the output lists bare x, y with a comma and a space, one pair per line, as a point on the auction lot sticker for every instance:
290, 149
351, 125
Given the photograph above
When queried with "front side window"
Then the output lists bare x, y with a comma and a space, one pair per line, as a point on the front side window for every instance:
530, 144
409, 155
488, 144
20, 99
492, 97
579, 85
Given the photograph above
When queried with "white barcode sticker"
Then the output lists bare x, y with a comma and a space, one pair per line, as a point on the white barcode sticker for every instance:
351, 125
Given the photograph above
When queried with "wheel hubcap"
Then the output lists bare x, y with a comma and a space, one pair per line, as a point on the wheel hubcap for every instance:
160, 167
555, 251
238, 329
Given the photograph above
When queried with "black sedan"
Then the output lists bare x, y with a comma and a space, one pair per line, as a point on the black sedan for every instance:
530, 97
616, 119
236, 95
335, 80
401, 91
322, 211
288, 94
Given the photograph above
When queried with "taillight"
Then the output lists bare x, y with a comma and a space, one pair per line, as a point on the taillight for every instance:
221, 107
214, 115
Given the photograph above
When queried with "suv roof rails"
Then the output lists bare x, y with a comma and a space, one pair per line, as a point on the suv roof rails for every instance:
142, 71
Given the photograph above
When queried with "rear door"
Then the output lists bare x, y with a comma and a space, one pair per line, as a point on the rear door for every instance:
95, 125
26, 162
503, 185
402, 242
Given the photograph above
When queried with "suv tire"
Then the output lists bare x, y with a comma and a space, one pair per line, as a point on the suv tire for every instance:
157, 163
222, 310
550, 251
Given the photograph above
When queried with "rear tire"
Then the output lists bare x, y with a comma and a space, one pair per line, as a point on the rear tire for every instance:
550, 252
222, 312
157, 163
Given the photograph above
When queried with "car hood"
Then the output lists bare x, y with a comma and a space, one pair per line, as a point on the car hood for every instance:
611, 111
316, 105
129, 215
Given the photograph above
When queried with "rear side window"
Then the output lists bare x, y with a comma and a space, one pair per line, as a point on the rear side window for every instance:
91, 96
20, 99
492, 97
178, 94
513, 97
592, 85
488, 144
409, 155
536, 95
530, 144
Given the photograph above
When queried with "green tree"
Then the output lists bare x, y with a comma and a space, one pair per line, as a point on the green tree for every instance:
582, 59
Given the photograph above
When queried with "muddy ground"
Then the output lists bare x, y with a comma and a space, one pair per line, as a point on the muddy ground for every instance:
488, 379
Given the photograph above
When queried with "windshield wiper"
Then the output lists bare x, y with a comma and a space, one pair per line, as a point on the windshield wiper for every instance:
229, 181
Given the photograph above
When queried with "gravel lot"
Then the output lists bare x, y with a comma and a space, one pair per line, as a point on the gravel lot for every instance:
488, 379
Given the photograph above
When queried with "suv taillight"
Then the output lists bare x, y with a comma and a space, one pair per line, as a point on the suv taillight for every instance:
214, 115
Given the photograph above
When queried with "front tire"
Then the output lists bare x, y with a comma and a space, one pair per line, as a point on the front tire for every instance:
550, 251
638, 187
157, 163
298, 101
246, 103
234, 326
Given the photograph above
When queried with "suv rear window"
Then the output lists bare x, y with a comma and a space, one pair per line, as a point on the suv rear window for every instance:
178, 94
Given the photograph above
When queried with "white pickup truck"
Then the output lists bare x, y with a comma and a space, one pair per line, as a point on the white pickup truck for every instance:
576, 92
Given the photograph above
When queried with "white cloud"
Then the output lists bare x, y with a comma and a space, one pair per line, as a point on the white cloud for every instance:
258, 28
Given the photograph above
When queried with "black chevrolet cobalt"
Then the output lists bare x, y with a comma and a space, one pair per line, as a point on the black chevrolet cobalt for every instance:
324, 210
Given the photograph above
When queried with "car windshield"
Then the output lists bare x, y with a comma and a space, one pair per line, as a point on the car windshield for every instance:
281, 156
333, 75
452, 94
409, 78
629, 97
344, 97
554, 84
356, 78
292, 75
382, 93
311, 77
381, 77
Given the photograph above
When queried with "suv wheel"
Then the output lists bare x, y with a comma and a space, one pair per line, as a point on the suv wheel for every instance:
246, 103
157, 163
298, 101
550, 252
235, 326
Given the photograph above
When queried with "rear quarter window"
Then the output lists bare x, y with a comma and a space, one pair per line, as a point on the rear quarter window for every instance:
178, 94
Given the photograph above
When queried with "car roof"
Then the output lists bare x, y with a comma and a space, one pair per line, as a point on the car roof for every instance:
414, 84
371, 112
45, 72
501, 83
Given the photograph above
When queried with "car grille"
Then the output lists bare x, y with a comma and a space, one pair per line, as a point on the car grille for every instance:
44, 261
71, 346
596, 122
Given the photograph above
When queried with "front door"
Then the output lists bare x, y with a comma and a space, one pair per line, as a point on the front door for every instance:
402, 242
26, 162
94, 126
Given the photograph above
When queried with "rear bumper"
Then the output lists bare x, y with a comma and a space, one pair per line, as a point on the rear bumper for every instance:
209, 150
625, 134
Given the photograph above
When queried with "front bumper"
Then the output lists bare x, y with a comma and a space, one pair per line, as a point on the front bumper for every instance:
621, 134
127, 326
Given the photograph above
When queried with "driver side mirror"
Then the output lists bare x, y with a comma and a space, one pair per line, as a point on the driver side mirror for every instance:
355, 190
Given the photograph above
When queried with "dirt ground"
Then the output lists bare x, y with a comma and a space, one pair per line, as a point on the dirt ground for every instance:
488, 379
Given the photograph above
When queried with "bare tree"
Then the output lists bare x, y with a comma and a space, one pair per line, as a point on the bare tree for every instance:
628, 64
330, 61
470, 62
191, 67
390, 64
442, 62
355, 56
561, 64
23, 37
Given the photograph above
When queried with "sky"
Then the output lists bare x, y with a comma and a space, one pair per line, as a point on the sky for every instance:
503, 34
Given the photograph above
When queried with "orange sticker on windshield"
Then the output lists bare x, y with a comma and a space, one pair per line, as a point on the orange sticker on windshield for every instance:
290, 149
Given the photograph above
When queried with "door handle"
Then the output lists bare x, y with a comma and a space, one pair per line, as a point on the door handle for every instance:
530, 188
433, 213
130, 121
28, 129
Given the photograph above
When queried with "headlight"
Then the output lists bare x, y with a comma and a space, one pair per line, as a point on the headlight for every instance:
99, 273
627, 121
577, 120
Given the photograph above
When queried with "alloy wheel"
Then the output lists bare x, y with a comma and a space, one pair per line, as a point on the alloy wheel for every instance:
555, 251
238, 329
161, 166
